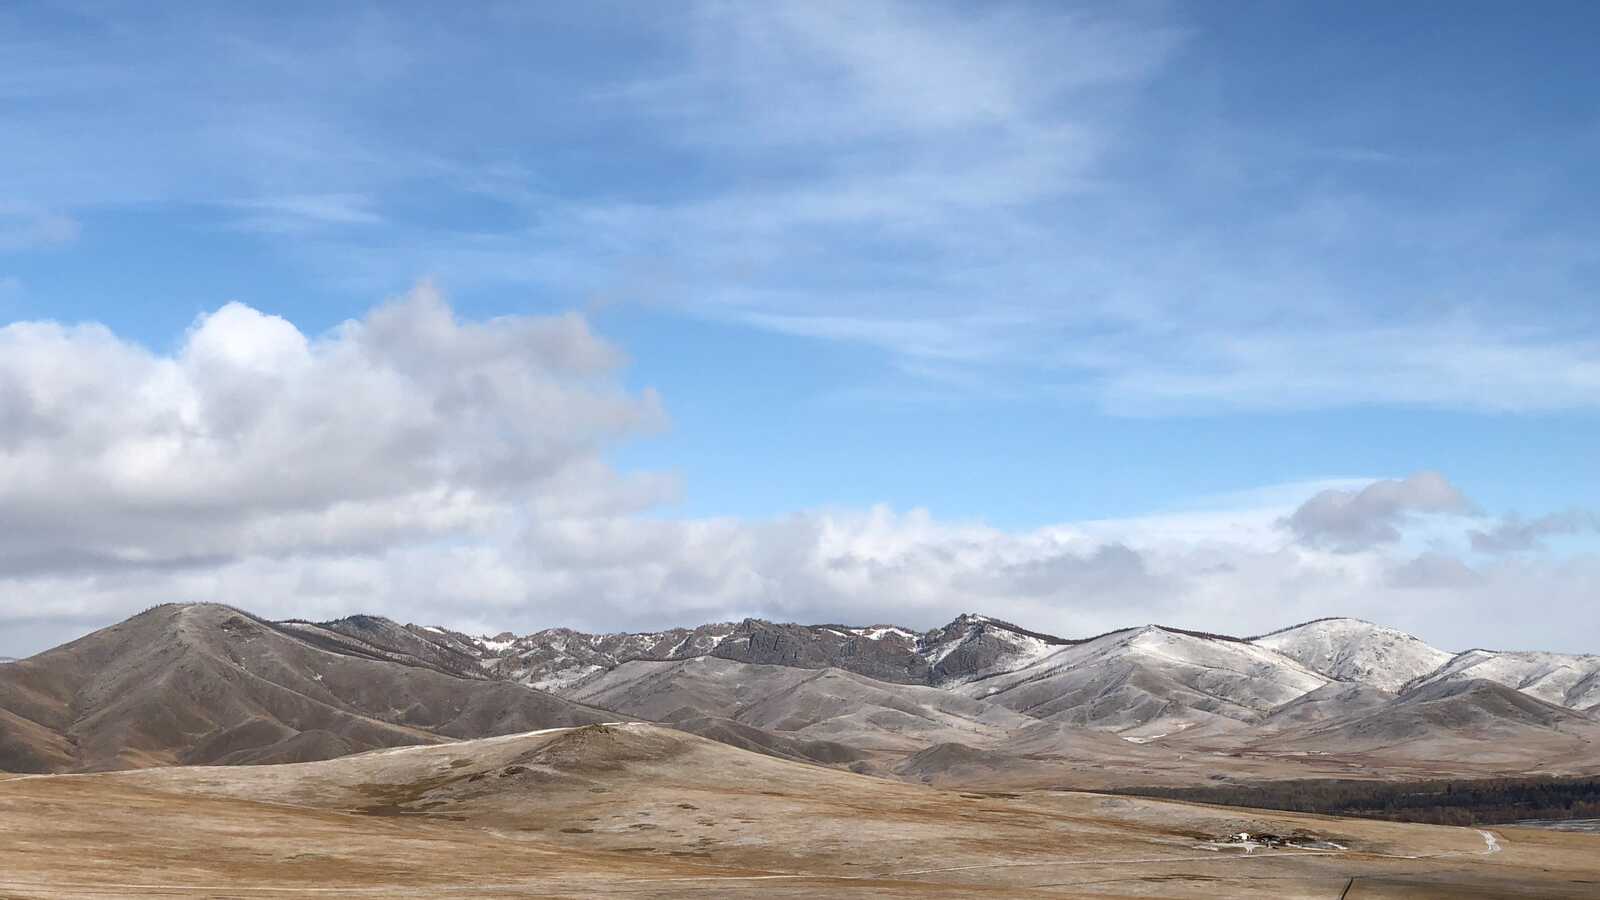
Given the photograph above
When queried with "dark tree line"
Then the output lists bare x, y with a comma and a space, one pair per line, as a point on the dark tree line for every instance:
1481, 802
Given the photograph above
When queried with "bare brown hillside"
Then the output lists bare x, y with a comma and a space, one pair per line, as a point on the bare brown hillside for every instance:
210, 684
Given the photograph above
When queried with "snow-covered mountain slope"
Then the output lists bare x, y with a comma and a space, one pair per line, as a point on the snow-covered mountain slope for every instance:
842, 706
883, 652
1150, 681
670, 690
975, 646
971, 646
827, 704
557, 658
1563, 679
1356, 650
1127, 680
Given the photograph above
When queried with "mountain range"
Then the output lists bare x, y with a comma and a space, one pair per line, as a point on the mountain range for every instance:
979, 700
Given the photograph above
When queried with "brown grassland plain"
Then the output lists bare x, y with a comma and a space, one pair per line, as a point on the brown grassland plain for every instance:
645, 810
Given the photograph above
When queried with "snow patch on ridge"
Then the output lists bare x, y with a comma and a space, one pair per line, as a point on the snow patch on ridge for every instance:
1568, 680
879, 632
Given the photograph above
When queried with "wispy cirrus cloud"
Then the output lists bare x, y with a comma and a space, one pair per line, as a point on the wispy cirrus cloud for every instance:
869, 173
300, 213
23, 228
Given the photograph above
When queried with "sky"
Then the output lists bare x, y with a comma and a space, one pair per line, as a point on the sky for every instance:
622, 315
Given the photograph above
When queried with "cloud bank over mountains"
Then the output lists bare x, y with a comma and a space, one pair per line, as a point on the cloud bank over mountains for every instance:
1356, 520
436, 469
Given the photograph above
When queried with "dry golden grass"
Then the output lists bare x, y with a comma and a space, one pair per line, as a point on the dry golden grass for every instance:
643, 810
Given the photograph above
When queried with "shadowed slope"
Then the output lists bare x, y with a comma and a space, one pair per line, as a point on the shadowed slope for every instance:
406, 644
1331, 701
1465, 720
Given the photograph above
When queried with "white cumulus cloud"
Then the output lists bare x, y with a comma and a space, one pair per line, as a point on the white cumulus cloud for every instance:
254, 439
417, 465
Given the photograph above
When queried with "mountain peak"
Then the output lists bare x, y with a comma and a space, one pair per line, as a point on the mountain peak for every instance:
970, 620
1350, 649
1323, 622
964, 622
207, 683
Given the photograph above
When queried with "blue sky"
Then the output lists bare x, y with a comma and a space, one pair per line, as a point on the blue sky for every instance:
1016, 265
